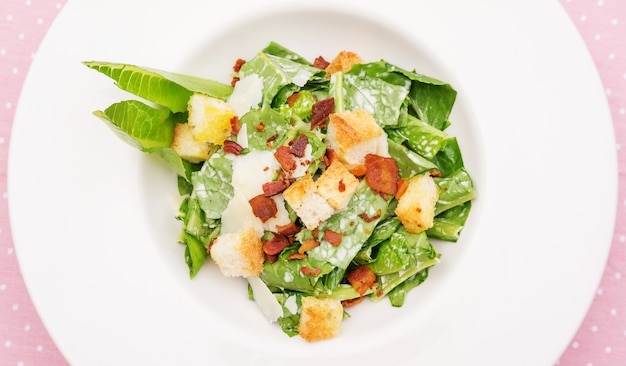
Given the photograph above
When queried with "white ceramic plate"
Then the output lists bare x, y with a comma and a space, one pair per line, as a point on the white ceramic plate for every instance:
93, 222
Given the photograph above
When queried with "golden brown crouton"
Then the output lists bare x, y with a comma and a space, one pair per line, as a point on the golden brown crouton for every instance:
209, 118
239, 253
354, 134
337, 185
416, 207
343, 62
303, 197
320, 318
187, 147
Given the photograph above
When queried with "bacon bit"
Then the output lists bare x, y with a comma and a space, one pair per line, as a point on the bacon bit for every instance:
333, 237
291, 100
341, 186
321, 110
288, 230
234, 80
286, 161
362, 279
232, 147
260, 127
270, 141
308, 245
275, 187
238, 64
402, 186
296, 255
379, 293
263, 207
435, 173
382, 174
351, 302
298, 146
359, 171
367, 218
320, 63
235, 127
272, 258
306, 270
315, 233
329, 157
275, 245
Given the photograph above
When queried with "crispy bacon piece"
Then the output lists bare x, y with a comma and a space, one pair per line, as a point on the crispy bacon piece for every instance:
235, 127
275, 245
368, 218
238, 64
351, 302
234, 80
308, 245
341, 186
435, 173
359, 171
263, 207
286, 161
260, 127
288, 230
402, 186
232, 147
306, 270
329, 157
291, 100
298, 146
272, 258
275, 187
321, 110
382, 174
362, 279
333, 237
320, 63
296, 255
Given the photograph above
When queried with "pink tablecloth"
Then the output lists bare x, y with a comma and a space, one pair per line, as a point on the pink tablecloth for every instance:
601, 340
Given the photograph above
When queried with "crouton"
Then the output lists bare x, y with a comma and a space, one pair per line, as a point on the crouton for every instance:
209, 118
343, 62
312, 208
354, 134
320, 318
416, 206
187, 147
238, 254
337, 185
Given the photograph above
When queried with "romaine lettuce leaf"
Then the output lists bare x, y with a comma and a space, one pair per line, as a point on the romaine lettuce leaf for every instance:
211, 185
167, 89
454, 190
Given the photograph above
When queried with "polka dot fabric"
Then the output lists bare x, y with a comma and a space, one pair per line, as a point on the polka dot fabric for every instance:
601, 339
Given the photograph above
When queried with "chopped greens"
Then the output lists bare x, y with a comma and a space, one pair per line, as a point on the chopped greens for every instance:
281, 138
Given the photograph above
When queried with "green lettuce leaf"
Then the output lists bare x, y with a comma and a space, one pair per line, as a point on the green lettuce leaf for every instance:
211, 185
164, 88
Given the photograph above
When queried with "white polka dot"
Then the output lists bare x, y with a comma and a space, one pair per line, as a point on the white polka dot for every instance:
39, 21
600, 2
622, 111
21, 36
597, 37
15, 307
5, 195
613, 312
611, 56
3, 51
609, 91
8, 105
594, 328
15, 70
607, 349
27, 2
618, 275
7, 344
10, 251
583, 17
600, 291
27, 328
59, 5
3, 286
589, 364
20, 363
1, 140
9, 17
39, 348
575, 344
614, 21
622, 238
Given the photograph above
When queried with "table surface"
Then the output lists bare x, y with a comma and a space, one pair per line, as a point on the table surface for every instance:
601, 338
